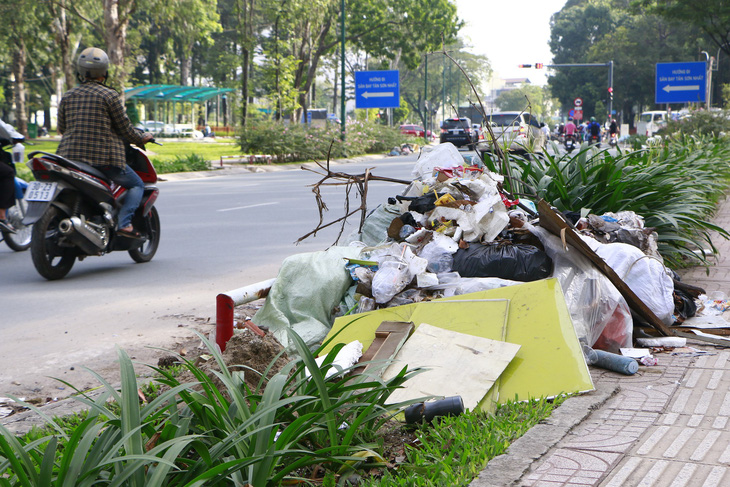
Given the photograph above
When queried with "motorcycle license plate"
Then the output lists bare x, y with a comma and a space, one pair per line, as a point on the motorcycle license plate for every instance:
38, 191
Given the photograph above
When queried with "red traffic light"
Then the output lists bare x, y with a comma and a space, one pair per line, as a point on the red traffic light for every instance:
610, 89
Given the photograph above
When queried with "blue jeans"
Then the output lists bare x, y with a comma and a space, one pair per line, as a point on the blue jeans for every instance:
126, 178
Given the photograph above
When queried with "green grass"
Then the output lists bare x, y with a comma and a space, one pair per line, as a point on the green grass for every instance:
170, 157
454, 450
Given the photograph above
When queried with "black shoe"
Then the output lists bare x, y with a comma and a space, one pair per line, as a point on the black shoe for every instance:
7, 226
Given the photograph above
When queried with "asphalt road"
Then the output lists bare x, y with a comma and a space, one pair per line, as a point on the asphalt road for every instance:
218, 233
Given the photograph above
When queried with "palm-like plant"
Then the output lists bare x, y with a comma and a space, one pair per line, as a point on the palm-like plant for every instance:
675, 188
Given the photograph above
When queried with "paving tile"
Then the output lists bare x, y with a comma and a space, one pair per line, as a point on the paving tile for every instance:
642, 397
646, 472
611, 431
686, 444
576, 467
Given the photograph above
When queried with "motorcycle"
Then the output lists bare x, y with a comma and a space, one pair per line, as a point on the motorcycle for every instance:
73, 208
594, 139
569, 142
613, 140
20, 240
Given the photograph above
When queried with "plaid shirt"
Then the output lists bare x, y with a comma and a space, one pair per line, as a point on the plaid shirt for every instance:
93, 122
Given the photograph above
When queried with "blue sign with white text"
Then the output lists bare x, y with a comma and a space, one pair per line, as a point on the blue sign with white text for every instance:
377, 89
681, 82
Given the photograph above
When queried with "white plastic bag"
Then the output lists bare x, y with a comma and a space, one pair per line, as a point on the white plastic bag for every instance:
444, 155
601, 317
397, 265
645, 276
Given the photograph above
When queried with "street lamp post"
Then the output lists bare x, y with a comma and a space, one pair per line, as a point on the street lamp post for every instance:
342, 70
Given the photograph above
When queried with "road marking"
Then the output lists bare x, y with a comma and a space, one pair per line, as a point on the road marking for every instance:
249, 206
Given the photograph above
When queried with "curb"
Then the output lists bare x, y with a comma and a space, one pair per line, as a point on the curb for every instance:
232, 168
507, 469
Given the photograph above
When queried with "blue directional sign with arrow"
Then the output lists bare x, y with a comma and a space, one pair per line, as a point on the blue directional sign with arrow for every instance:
681, 82
377, 89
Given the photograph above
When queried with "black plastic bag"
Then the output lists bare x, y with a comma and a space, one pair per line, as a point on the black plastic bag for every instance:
517, 262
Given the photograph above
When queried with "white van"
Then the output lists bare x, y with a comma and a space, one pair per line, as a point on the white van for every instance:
650, 122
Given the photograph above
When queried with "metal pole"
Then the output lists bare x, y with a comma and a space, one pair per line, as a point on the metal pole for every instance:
342, 70
610, 89
443, 90
425, 101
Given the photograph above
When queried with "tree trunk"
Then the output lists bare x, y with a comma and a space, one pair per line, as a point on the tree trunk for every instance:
116, 20
185, 68
60, 29
19, 63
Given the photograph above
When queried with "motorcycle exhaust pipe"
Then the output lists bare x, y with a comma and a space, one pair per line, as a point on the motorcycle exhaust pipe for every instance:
78, 232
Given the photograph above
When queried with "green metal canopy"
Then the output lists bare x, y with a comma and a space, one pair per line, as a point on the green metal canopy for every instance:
194, 94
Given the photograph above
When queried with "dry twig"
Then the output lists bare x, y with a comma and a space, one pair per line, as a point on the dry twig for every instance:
350, 181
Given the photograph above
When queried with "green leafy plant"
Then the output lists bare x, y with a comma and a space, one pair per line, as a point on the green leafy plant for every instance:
285, 425
675, 187
117, 449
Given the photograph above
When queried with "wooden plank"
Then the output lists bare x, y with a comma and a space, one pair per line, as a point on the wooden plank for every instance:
555, 224
389, 338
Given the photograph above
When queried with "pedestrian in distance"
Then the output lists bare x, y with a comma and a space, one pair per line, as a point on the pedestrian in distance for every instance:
94, 125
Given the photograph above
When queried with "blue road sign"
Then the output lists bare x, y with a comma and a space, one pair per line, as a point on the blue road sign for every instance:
377, 89
681, 82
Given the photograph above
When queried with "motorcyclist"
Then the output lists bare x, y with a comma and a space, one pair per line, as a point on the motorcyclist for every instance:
594, 129
613, 129
570, 127
94, 125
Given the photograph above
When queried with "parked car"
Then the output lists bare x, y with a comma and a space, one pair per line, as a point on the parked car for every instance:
516, 131
410, 129
458, 131
151, 126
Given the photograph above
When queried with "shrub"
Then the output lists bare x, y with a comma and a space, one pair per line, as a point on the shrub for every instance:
187, 163
298, 142
700, 122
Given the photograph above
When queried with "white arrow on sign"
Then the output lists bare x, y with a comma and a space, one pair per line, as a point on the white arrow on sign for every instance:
378, 94
669, 88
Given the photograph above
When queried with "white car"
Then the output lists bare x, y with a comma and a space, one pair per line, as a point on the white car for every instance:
516, 131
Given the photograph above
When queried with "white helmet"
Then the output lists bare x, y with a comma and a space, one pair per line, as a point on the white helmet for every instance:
93, 63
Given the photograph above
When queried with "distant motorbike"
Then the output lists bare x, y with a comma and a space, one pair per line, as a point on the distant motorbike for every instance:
613, 140
594, 140
74, 208
20, 240
569, 142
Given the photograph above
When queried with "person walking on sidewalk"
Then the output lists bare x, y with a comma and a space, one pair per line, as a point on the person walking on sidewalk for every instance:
94, 125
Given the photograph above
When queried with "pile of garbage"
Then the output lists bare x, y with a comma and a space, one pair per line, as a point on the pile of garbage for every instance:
456, 231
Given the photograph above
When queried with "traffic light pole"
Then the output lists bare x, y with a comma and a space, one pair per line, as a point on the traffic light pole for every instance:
585, 65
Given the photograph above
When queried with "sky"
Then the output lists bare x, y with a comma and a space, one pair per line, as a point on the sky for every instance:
510, 33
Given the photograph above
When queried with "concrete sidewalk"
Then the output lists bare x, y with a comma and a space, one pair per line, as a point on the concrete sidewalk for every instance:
666, 426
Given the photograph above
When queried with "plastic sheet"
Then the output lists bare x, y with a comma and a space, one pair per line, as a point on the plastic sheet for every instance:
646, 276
601, 317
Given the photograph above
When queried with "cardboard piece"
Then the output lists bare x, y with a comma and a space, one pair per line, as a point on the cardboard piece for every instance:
534, 315
458, 365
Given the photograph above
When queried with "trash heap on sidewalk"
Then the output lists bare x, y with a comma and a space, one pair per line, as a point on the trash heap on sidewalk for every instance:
499, 298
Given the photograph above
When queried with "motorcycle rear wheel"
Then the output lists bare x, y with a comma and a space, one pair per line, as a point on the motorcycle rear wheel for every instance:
148, 248
50, 260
